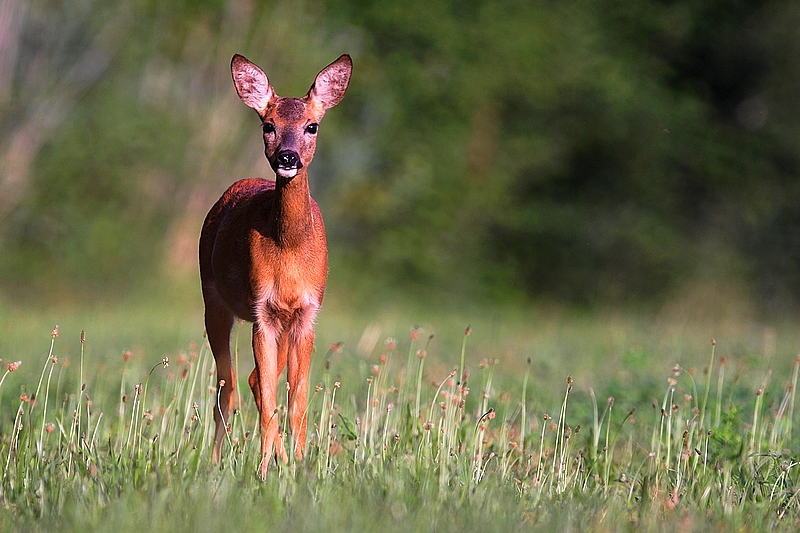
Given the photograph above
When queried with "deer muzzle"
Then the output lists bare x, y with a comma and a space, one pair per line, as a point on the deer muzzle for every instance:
287, 163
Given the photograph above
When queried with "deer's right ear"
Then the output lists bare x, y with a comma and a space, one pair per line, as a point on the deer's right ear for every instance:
331, 83
251, 83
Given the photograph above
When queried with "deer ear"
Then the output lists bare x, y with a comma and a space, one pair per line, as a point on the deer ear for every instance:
251, 83
331, 83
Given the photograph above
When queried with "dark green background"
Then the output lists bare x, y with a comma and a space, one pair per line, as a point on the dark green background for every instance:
588, 152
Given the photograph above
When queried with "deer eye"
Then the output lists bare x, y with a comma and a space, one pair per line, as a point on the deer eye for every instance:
312, 128
268, 127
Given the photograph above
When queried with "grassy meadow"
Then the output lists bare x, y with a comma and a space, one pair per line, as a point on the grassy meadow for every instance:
536, 420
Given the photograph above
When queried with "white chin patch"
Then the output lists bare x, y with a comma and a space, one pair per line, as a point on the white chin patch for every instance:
287, 172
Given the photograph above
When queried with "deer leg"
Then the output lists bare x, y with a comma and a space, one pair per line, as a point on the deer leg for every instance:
253, 379
283, 348
255, 387
266, 356
280, 451
297, 378
219, 322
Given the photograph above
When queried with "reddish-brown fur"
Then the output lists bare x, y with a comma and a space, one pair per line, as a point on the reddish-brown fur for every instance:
264, 258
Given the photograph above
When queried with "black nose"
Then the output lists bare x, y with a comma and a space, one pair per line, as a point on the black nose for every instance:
288, 159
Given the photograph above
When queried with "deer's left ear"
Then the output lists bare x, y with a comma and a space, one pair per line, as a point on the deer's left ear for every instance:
331, 83
251, 83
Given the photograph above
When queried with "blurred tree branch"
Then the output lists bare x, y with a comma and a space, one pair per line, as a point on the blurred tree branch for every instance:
41, 113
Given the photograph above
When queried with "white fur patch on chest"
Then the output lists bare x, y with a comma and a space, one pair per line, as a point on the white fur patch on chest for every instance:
290, 307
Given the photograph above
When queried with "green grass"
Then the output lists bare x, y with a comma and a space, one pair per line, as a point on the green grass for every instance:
534, 421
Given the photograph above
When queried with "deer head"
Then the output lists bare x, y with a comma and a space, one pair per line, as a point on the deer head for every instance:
290, 124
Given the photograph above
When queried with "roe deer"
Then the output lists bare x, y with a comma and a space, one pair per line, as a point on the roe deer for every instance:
264, 259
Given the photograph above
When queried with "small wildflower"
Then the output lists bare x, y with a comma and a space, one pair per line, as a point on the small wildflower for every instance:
611, 401
414, 333
54, 333
383, 358
676, 370
421, 354
54, 359
391, 343
569, 379
13, 366
165, 362
23, 397
713, 342
336, 384
83, 336
221, 383
49, 428
468, 331
126, 356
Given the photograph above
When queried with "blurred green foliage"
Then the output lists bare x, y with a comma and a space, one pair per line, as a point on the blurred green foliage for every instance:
580, 151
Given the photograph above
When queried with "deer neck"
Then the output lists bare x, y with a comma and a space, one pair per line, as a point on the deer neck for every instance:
291, 215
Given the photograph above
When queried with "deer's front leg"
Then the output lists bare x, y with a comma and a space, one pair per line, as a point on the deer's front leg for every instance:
297, 378
265, 350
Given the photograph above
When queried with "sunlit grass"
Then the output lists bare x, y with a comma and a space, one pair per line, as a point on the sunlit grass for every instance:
404, 432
